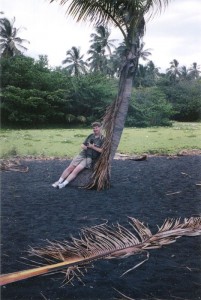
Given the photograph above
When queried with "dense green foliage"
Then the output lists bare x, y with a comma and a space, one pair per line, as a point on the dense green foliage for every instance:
185, 97
32, 94
149, 107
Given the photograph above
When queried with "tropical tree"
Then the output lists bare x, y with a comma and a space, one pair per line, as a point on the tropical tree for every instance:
113, 64
101, 44
97, 59
174, 71
121, 50
75, 63
120, 53
185, 99
140, 76
147, 75
184, 73
149, 107
129, 17
101, 37
194, 71
10, 42
144, 53
115, 60
152, 75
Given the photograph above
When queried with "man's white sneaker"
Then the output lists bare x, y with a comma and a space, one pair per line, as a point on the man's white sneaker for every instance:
62, 185
56, 184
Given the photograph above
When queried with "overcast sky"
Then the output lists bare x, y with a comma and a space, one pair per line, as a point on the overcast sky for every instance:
175, 34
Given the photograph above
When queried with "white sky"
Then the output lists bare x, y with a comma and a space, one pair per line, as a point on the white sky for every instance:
175, 34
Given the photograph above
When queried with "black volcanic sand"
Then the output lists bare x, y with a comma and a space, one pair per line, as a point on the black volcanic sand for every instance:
33, 211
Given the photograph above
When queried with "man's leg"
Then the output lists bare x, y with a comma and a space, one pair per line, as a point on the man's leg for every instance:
72, 175
64, 175
67, 171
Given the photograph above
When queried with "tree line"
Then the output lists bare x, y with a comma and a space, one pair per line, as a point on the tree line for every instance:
35, 94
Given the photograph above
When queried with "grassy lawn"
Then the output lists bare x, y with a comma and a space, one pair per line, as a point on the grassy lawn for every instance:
66, 142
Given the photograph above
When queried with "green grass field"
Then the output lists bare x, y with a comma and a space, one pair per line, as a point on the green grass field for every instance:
66, 142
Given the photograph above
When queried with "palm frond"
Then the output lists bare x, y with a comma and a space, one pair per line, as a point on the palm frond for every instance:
103, 242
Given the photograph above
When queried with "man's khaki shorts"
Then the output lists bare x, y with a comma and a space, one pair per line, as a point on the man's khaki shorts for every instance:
86, 162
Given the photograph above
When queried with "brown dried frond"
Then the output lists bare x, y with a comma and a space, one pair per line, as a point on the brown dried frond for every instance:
104, 242
12, 165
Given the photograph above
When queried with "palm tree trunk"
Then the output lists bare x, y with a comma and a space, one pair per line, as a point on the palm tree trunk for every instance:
120, 111
113, 123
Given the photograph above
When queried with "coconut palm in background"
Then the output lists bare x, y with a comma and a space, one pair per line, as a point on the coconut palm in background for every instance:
75, 63
119, 54
174, 71
121, 50
97, 59
10, 42
100, 45
101, 37
116, 58
147, 75
194, 71
129, 17
184, 73
141, 75
144, 53
152, 70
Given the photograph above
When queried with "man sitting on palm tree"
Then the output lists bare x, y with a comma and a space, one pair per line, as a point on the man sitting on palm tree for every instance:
91, 150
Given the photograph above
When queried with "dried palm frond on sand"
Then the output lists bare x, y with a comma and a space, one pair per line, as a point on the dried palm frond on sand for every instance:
103, 242
12, 165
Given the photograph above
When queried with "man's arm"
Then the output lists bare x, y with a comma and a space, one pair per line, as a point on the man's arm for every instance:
84, 147
94, 147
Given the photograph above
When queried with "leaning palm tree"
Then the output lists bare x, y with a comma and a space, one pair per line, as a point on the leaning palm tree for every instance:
10, 42
75, 63
129, 17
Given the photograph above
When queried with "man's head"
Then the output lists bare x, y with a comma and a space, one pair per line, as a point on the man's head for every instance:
96, 127
96, 124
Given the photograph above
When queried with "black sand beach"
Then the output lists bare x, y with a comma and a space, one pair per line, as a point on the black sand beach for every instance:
151, 191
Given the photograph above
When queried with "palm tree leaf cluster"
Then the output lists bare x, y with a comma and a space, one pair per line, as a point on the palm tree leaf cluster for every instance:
100, 43
76, 64
10, 43
103, 242
177, 73
120, 13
